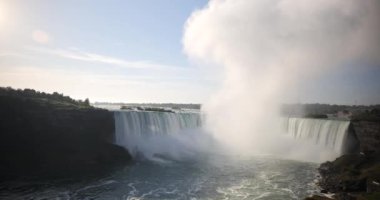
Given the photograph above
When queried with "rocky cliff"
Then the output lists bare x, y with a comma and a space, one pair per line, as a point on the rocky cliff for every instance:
355, 176
55, 135
351, 177
368, 133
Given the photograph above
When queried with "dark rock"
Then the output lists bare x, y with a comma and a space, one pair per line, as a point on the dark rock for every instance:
351, 176
317, 197
368, 133
373, 185
344, 196
46, 135
356, 185
324, 191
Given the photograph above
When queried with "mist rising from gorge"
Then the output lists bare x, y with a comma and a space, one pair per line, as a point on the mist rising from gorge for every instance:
268, 49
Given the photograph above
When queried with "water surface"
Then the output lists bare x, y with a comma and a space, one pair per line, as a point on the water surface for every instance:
216, 177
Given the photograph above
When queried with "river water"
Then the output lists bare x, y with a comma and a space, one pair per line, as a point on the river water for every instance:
174, 160
208, 177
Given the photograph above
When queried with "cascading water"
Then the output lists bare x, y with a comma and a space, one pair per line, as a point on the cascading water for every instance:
153, 133
153, 123
331, 134
159, 135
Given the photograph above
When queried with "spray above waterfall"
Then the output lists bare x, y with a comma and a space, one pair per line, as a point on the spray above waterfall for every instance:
267, 49
164, 136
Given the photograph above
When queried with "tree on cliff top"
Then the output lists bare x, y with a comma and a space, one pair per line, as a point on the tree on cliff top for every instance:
44, 98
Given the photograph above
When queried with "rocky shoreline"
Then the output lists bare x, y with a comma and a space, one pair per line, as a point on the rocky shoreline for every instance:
354, 176
350, 177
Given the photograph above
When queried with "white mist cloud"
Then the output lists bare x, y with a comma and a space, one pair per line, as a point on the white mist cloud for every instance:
266, 48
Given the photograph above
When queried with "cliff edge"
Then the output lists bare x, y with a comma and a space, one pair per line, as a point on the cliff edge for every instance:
54, 135
355, 176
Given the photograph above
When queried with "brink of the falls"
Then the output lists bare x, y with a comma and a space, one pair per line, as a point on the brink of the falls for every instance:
172, 133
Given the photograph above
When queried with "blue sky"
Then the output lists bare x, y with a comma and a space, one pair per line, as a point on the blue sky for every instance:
126, 51
129, 51
357, 84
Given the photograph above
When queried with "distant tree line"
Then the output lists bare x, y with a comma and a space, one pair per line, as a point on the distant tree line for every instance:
322, 110
156, 105
33, 94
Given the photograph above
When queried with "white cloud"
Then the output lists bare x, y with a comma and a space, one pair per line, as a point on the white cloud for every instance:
41, 37
101, 77
80, 55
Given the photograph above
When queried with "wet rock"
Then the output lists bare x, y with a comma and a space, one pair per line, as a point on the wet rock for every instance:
356, 185
351, 176
317, 197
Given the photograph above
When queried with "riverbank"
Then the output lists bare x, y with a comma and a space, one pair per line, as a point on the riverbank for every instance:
355, 176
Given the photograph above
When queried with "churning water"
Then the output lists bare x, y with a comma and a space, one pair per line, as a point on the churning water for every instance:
208, 177
176, 160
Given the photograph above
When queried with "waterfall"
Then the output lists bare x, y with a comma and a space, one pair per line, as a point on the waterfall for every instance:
153, 123
150, 132
153, 135
332, 134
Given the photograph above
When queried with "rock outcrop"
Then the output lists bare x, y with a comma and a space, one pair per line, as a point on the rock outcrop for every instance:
368, 133
54, 135
355, 176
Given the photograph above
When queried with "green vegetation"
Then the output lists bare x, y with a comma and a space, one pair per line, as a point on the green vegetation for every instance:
370, 196
58, 101
368, 115
354, 112
175, 106
354, 176
316, 116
